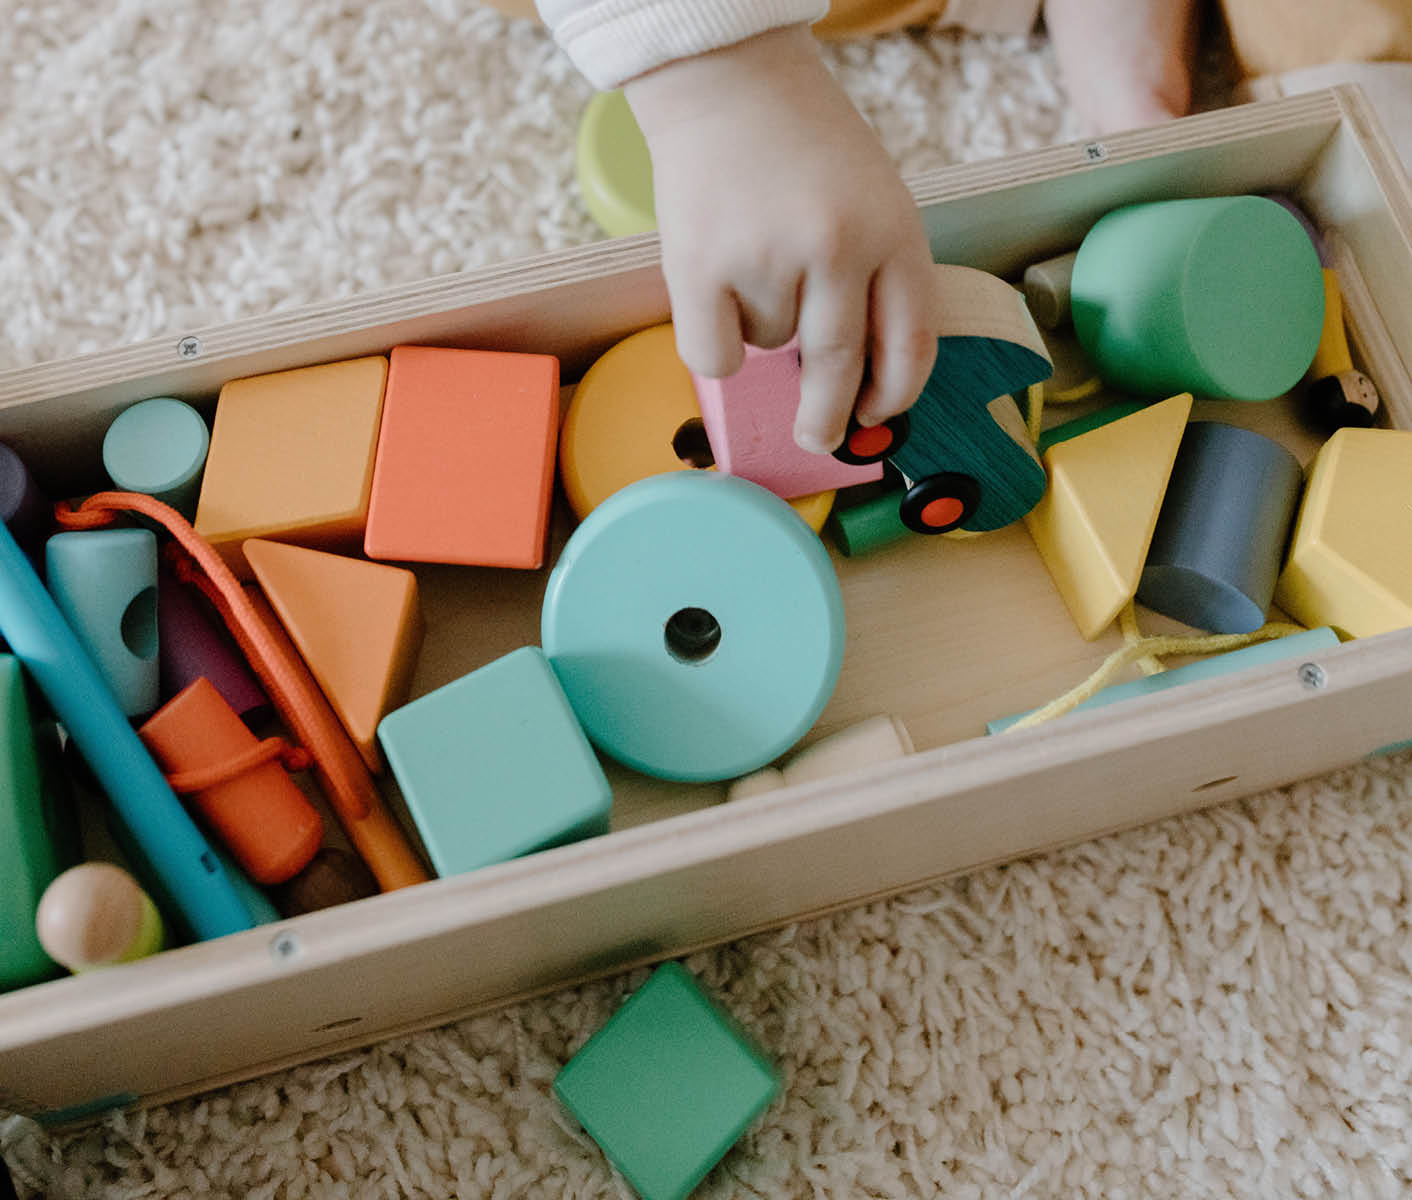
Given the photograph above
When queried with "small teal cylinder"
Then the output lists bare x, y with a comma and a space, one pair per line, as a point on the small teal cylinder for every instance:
1220, 537
1221, 296
158, 447
696, 625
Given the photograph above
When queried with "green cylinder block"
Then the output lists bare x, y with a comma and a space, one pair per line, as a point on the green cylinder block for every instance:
870, 525
1219, 296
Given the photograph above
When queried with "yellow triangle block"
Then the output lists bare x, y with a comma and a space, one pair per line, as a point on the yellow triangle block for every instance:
1094, 524
357, 624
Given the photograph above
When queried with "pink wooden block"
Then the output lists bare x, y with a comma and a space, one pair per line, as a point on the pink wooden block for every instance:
749, 419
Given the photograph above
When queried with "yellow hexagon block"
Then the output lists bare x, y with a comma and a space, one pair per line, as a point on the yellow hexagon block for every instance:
1350, 559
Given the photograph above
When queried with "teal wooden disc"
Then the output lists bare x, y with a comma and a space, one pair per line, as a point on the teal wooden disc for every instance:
696, 625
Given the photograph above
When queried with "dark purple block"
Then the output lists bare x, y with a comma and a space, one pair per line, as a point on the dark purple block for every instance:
191, 645
23, 507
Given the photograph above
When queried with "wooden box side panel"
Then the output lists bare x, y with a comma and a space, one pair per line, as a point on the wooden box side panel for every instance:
464, 944
574, 304
1358, 191
1001, 216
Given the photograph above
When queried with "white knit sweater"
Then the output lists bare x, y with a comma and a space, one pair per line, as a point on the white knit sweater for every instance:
611, 41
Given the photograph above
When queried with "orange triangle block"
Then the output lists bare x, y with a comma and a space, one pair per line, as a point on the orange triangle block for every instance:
357, 624
1094, 524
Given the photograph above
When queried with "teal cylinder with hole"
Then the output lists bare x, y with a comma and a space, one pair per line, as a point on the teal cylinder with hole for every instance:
1221, 296
158, 447
105, 583
696, 625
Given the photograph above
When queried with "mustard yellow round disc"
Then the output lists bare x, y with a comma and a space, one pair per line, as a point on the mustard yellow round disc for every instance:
634, 414
630, 407
815, 508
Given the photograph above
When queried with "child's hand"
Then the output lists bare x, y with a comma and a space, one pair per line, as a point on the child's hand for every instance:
780, 211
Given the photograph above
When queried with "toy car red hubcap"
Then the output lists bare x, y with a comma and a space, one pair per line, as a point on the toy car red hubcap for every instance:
943, 513
864, 445
940, 502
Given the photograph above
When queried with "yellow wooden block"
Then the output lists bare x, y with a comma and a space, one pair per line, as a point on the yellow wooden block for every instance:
357, 624
291, 458
1349, 564
1095, 522
814, 509
635, 414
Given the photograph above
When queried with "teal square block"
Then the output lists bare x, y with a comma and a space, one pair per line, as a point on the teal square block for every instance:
495, 765
667, 1086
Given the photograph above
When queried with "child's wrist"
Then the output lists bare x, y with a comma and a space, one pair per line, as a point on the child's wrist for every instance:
759, 68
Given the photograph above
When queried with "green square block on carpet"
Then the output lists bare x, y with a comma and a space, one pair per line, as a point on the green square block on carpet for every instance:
667, 1086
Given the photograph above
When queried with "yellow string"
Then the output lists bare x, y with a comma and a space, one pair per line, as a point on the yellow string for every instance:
1079, 391
1034, 405
1149, 664
1217, 643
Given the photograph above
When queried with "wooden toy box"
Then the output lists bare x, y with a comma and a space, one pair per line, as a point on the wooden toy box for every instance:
945, 634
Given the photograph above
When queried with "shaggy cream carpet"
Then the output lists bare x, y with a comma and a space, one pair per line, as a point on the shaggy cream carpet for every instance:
1214, 1006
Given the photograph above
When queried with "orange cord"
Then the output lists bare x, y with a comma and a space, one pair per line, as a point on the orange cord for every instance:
292, 758
346, 779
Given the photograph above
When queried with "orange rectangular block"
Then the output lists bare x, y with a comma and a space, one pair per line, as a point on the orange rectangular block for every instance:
465, 461
291, 458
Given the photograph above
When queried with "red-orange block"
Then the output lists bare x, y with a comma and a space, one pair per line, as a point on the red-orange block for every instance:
266, 822
357, 624
465, 460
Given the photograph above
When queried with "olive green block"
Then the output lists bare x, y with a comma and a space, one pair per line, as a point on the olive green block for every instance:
30, 841
614, 168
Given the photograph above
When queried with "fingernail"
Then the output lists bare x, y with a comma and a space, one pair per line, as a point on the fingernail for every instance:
812, 442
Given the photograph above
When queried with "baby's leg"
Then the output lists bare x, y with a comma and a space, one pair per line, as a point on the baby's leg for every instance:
515, 8
1125, 63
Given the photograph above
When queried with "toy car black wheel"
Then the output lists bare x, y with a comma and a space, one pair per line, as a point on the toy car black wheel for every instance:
939, 502
866, 444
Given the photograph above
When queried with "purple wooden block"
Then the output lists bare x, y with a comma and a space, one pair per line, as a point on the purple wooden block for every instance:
23, 507
1289, 205
190, 646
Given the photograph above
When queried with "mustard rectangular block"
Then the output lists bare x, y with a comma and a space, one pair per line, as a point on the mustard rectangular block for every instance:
291, 458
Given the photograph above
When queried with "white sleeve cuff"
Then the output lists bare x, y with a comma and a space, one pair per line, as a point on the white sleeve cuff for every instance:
612, 41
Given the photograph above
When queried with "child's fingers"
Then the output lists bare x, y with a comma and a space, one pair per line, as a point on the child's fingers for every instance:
833, 320
902, 340
708, 333
768, 317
